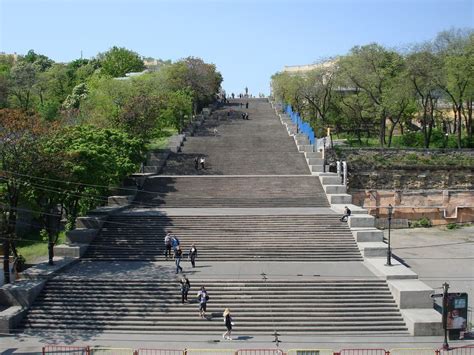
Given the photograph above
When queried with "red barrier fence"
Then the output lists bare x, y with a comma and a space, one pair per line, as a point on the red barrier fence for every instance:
86, 350
160, 352
260, 352
363, 352
66, 350
462, 350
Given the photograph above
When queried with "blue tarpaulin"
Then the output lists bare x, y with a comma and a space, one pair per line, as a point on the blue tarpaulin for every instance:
303, 127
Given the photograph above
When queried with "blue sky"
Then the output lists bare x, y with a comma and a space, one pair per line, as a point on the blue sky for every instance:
247, 40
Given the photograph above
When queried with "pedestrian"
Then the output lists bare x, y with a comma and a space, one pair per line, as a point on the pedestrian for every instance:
247, 105
215, 131
192, 255
241, 104
243, 115
185, 287
202, 161
174, 242
196, 163
228, 324
178, 253
246, 116
203, 297
168, 245
346, 215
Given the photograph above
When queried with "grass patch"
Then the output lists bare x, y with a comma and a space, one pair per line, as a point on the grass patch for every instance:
34, 249
160, 140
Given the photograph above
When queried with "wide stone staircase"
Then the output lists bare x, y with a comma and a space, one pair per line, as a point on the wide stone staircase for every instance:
291, 267
227, 238
232, 191
258, 146
258, 306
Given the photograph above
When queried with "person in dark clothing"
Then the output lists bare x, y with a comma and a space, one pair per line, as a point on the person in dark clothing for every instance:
196, 163
177, 259
185, 287
228, 324
346, 215
246, 105
168, 245
192, 255
203, 297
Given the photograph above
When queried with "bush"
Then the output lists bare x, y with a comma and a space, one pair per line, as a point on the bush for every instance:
421, 223
452, 226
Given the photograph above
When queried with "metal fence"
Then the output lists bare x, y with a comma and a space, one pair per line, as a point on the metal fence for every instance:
159, 352
412, 351
111, 351
210, 352
86, 350
363, 352
463, 350
310, 352
65, 350
260, 352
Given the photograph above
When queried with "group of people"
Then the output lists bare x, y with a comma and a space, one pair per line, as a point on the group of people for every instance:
200, 161
203, 298
172, 243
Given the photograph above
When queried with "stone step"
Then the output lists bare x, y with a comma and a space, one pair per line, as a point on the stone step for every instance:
335, 189
330, 180
339, 198
367, 235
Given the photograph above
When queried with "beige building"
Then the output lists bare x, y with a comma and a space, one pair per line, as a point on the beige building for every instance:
308, 67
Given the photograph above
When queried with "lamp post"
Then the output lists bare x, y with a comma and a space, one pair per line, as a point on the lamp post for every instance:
389, 250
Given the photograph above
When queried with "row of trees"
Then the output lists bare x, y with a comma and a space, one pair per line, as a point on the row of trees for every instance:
374, 90
70, 132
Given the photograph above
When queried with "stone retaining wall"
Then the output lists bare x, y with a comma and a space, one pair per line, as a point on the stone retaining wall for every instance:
440, 206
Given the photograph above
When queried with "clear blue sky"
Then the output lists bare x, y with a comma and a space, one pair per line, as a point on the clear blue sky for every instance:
247, 40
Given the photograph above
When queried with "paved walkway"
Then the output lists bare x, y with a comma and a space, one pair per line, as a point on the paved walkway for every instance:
438, 255
25, 344
165, 270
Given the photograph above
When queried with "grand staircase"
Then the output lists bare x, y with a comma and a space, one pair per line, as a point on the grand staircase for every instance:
124, 283
258, 306
228, 238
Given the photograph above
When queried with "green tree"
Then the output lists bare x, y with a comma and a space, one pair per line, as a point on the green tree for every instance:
371, 68
93, 156
201, 79
119, 61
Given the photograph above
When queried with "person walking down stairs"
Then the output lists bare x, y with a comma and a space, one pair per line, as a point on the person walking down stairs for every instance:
192, 255
203, 297
177, 259
185, 287
168, 245
228, 324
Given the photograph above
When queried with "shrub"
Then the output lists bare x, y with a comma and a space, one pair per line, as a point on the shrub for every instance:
452, 226
423, 222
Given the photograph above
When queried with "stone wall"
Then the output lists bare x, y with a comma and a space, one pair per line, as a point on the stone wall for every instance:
440, 206
413, 178
436, 184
